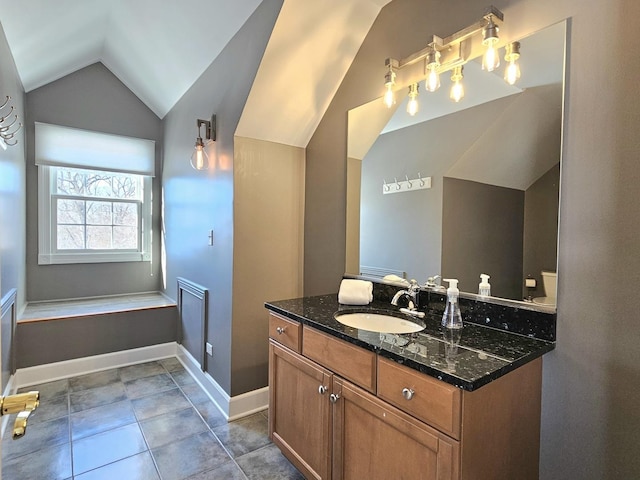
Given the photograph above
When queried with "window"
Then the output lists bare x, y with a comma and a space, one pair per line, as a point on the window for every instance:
88, 213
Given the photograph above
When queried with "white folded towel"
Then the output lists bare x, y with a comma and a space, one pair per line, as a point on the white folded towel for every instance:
355, 292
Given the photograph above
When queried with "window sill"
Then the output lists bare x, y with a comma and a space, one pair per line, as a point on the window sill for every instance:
107, 257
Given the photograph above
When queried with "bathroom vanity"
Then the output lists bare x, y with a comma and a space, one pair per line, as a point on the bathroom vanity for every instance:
352, 404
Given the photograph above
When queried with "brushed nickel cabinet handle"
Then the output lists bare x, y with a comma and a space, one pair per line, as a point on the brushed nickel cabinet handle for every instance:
280, 330
322, 389
333, 398
407, 393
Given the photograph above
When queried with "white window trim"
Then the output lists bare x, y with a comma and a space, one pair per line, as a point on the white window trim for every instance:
46, 236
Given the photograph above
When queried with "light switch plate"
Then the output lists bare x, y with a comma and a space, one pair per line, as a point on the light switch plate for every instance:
209, 348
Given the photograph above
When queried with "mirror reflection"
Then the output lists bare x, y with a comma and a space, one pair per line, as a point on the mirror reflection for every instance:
493, 160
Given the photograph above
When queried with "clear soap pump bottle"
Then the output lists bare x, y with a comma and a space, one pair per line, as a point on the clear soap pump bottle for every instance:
484, 288
452, 317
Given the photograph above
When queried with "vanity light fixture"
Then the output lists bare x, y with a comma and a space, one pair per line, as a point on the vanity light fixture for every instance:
479, 39
390, 82
199, 157
432, 83
457, 89
412, 106
512, 54
491, 59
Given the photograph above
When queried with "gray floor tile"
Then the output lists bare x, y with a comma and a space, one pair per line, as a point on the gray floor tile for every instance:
172, 426
45, 434
96, 397
211, 414
141, 387
183, 377
49, 390
93, 380
107, 447
195, 393
268, 463
48, 463
244, 435
138, 467
96, 420
171, 364
190, 456
228, 471
133, 372
49, 409
152, 405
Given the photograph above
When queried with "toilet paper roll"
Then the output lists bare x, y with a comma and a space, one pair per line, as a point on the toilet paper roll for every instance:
530, 283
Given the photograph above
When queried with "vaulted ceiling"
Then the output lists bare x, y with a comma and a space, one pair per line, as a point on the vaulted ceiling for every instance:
159, 49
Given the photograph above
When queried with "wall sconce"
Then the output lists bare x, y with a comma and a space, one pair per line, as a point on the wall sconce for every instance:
412, 106
6, 135
512, 54
199, 158
451, 53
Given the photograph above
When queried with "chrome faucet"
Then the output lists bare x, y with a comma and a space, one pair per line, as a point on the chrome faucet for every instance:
412, 294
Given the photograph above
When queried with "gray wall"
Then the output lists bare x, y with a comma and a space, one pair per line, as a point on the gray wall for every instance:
541, 228
482, 233
591, 382
12, 213
12, 186
196, 202
93, 99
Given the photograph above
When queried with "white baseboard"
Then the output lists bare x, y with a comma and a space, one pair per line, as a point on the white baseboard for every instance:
231, 407
81, 366
9, 389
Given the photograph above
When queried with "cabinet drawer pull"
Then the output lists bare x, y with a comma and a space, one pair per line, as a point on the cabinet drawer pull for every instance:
333, 398
322, 389
407, 393
280, 330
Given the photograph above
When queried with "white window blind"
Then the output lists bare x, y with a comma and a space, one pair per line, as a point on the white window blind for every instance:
72, 147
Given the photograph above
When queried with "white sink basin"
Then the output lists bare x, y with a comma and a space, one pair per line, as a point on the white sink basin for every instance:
378, 322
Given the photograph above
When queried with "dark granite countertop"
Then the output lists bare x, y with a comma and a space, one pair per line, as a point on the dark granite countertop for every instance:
480, 354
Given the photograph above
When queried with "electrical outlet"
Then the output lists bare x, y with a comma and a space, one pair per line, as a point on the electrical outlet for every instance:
209, 348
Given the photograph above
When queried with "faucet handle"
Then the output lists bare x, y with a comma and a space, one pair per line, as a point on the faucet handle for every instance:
22, 404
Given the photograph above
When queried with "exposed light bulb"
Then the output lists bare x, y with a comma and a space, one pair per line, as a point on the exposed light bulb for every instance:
389, 96
412, 106
390, 82
199, 158
491, 59
432, 83
457, 89
512, 54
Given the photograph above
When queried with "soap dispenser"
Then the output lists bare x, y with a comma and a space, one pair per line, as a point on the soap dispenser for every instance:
484, 289
452, 317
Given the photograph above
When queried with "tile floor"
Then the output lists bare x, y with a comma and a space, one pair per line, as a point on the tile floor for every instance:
149, 421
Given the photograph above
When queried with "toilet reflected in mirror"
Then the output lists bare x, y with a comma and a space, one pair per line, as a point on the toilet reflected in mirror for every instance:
549, 280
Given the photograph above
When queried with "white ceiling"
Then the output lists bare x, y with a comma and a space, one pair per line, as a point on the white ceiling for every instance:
156, 48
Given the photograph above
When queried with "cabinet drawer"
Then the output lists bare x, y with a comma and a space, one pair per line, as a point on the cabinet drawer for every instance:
428, 399
348, 361
285, 332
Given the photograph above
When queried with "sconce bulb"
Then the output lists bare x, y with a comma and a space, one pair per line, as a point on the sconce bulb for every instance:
412, 106
389, 96
433, 79
457, 92
512, 72
457, 89
491, 59
512, 54
199, 158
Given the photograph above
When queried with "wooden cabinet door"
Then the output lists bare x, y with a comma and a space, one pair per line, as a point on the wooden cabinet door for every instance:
376, 441
299, 411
